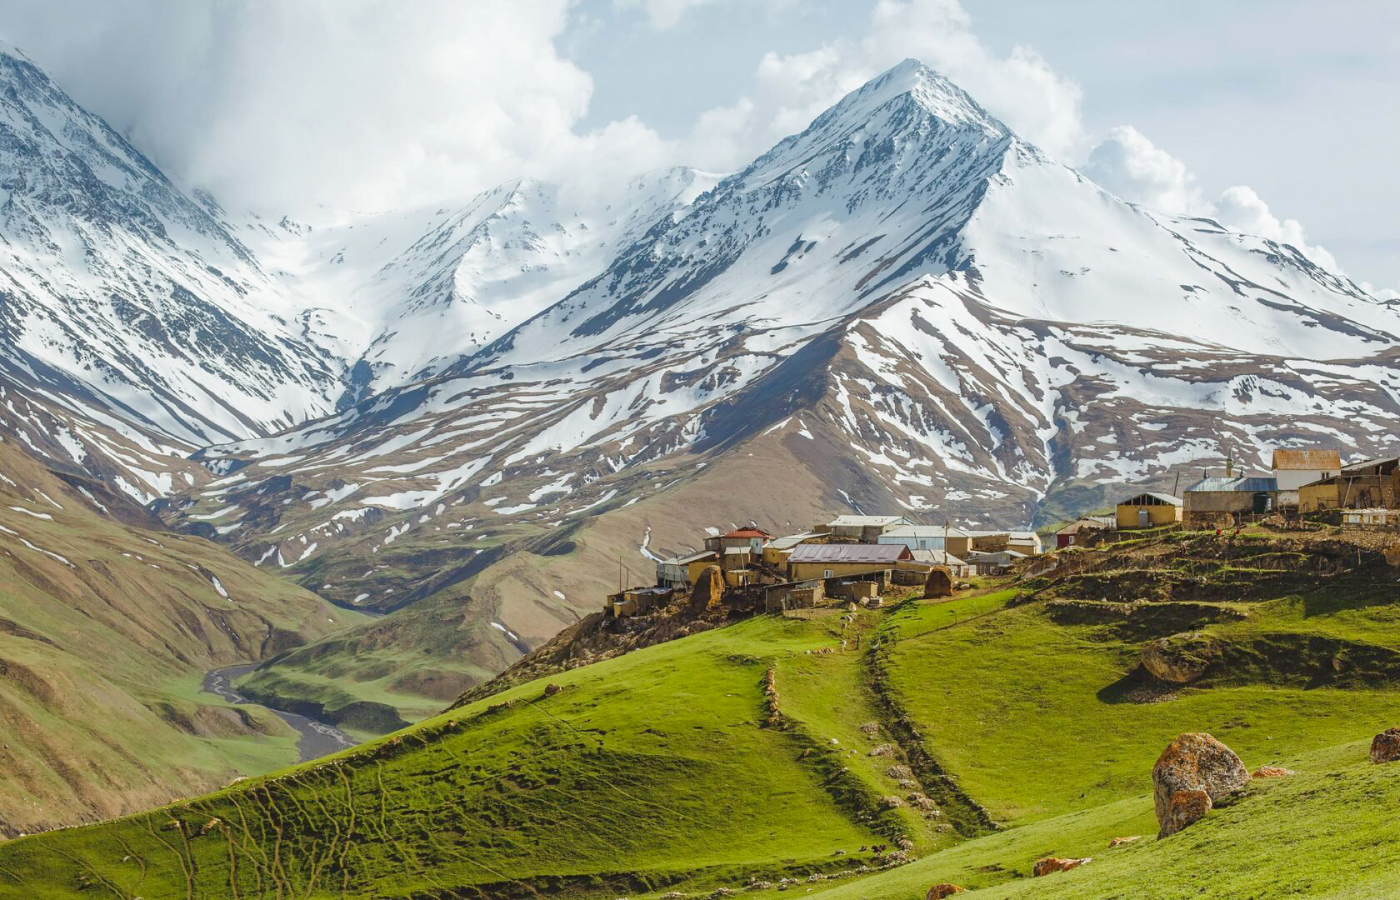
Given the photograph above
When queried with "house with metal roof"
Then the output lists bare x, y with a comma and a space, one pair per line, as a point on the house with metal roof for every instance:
809, 561
1293, 468
1365, 484
1215, 502
920, 537
1149, 510
861, 528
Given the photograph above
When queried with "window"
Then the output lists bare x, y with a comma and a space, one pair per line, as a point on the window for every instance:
826, 573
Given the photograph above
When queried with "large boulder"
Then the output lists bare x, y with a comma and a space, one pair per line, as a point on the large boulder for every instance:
1181, 658
1193, 762
940, 891
708, 591
1057, 864
1385, 747
1392, 554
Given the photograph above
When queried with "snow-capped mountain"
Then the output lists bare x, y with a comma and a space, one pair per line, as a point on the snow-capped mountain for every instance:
116, 284
409, 292
906, 306
914, 306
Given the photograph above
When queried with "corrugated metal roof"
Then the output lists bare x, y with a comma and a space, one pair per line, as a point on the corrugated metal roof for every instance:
1307, 459
791, 540
922, 531
1253, 484
848, 553
686, 560
1380, 462
1165, 498
747, 533
863, 521
937, 558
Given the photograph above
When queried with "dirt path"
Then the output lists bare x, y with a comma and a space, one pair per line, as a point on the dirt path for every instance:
317, 738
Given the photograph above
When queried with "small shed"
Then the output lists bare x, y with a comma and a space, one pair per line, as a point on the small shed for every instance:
1149, 510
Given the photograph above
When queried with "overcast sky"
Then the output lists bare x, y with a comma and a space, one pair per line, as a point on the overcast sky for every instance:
1278, 116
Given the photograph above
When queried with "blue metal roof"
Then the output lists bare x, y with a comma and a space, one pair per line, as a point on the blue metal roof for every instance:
1253, 484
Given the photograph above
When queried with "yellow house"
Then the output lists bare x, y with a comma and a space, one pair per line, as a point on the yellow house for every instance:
1320, 495
810, 562
777, 551
1149, 510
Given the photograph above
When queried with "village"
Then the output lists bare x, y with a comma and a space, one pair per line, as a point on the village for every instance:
858, 558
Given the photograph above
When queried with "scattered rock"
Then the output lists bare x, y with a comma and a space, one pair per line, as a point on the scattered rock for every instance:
551, 689
1385, 747
1120, 841
1183, 808
1271, 772
1195, 761
1181, 658
883, 750
891, 802
870, 729
1057, 864
946, 889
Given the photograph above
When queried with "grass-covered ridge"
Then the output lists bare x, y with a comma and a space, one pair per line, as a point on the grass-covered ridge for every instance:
962, 741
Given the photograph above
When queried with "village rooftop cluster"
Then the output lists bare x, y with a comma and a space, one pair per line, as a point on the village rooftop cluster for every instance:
856, 558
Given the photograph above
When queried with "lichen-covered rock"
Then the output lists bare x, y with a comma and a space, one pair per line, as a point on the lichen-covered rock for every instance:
1181, 658
1385, 747
1057, 864
946, 889
1271, 772
1193, 762
1183, 808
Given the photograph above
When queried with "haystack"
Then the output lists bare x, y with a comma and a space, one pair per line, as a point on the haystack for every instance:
708, 591
939, 583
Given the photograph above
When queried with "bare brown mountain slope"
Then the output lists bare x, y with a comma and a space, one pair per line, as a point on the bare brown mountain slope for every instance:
107, 625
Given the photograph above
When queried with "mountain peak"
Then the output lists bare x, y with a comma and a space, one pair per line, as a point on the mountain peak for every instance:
931, 90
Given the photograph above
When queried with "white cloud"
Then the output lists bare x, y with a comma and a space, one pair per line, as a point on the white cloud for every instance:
1131, 166
666, 14
348, 102
1241, 208
789, 91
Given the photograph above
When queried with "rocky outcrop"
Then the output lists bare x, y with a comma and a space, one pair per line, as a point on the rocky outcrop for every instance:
1057, 864
1385, 747
946, 889
1181, 658
1193, 763
1121, 841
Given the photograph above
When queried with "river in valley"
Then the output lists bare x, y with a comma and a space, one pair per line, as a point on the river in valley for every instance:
317, 738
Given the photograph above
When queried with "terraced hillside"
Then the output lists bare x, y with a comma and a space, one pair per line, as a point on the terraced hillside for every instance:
957, 741
107, 624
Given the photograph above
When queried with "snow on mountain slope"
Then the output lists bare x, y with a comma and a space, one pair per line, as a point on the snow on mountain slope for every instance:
954, 323
115, 281
413, 291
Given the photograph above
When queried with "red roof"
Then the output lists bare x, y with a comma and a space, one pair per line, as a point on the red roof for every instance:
748, 533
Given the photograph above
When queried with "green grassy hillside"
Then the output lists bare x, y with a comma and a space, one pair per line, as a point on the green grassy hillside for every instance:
107, 626
960, 742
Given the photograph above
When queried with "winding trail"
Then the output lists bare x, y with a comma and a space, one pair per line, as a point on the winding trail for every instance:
317, 738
